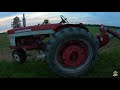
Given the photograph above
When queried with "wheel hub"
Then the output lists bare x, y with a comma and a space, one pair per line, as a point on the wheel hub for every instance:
73, 54
16, 57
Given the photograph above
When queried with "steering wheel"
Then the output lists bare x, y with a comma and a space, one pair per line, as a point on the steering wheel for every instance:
64, 20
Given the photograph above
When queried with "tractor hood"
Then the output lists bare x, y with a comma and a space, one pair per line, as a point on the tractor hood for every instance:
33, 28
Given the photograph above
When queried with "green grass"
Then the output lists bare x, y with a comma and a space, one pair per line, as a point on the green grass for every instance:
4, 41
108, 61
33, 69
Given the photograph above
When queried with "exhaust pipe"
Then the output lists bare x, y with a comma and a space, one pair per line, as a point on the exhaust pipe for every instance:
24, 20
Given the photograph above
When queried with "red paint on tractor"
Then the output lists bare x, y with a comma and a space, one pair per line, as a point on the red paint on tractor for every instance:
115, 34
73, 54
103, 39
35, 28
25, 47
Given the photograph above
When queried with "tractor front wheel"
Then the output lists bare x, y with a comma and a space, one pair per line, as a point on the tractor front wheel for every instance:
19, 56
71, 51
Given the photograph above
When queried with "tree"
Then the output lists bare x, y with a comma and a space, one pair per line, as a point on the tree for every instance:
16, 22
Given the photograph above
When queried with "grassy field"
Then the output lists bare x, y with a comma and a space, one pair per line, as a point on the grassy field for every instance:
108, 61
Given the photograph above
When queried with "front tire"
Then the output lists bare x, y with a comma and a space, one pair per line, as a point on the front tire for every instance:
19, 56
71, 52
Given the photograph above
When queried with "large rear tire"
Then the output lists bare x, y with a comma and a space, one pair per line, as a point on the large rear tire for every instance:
71, 52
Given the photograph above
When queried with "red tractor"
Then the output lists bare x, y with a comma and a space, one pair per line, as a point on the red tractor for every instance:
71, 49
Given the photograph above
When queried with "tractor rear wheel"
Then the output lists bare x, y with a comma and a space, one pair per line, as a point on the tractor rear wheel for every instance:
19, 56
71, 51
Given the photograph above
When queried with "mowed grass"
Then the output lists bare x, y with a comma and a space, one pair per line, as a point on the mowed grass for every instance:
4, 41
108, 61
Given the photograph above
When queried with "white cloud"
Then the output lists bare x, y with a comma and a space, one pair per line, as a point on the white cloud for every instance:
33, 18
1, 31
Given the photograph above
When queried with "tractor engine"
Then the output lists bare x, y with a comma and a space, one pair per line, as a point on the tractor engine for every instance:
34, 40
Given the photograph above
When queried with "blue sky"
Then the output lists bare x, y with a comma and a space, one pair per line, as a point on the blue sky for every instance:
33, 18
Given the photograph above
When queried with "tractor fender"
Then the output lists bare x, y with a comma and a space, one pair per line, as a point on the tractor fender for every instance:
70, 25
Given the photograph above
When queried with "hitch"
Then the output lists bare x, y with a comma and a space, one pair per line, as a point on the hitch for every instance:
106, 34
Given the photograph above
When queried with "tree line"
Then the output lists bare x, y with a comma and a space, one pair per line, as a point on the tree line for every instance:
93, 25
98, 25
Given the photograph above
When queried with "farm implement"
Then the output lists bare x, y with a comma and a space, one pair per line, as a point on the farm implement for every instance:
71, 50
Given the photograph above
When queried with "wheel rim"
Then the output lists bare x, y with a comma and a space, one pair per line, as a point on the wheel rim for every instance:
16, 57
73, 54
